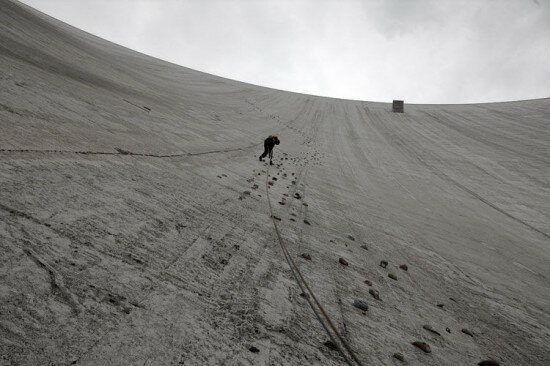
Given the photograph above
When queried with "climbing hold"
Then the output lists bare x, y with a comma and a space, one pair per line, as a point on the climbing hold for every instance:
404, 267
423, 346
360, 304
254, 349
466, 331
306, 256
383, 264
276, 218
365, 247
374, 293
392, 276
368, 282
430, 329
297, 195
350, 237
440, 305
343, 261
488, 363
331, 345
399, 356
306, 222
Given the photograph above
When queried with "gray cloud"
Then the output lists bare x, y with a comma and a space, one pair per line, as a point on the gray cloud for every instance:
424, 51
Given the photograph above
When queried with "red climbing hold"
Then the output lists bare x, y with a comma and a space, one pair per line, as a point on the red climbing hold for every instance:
423, 346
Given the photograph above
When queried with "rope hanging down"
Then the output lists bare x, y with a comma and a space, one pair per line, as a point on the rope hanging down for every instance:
318, 309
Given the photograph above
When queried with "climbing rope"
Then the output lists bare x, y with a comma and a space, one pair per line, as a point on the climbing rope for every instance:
318, 309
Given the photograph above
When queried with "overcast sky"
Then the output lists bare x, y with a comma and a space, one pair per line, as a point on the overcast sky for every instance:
422, 51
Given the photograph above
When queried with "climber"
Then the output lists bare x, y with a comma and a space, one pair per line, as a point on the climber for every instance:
269, 144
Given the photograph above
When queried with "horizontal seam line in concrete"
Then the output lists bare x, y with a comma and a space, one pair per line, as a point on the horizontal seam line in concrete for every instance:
123, 152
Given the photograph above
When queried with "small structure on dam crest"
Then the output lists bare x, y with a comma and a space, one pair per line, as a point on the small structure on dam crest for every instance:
398, 106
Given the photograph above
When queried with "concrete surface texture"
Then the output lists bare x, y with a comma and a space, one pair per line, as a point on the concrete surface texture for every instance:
137, 226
